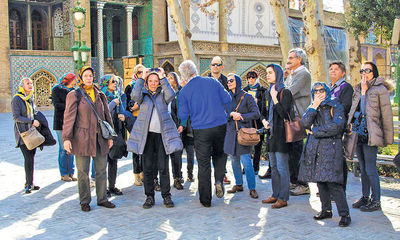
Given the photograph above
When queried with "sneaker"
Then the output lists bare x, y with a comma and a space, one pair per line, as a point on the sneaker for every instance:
168, 202
178, 184
323, 214
157, 186
66, 178
219, 190
360, 202
345, 221
371, 206
292, 186
300, 190
149, 203
226, 180
115, 191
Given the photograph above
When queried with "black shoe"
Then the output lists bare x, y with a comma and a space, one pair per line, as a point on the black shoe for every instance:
85, 207
35, 188
168, 202
345, 221
208, 204
323, 214
267, 175
149, 202
178, 184
181, 180
371, 206
108, 193
361, 202
157, 186
219, 190
106, 204
115, 191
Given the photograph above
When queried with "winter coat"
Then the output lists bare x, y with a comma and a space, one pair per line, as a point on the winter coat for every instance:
249, 111
170, 136
59, 96
300, 84
284, 107
21, 118
322, 158
261, 96
378, 112
80, 123
223, 80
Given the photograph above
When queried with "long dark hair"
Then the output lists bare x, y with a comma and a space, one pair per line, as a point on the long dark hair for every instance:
374, 69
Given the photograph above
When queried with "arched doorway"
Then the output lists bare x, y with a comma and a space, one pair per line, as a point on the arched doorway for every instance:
15, 30
43, 81
261, 70
168, 67
380, 63
37, 31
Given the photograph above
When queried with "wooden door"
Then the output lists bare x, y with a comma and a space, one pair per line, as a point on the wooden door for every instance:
15, 30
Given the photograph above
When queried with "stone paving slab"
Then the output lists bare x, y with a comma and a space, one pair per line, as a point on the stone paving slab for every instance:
53, 212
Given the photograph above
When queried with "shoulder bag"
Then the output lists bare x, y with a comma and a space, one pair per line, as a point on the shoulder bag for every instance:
32, 138
350, 139
246, 136
293, 130
106, 130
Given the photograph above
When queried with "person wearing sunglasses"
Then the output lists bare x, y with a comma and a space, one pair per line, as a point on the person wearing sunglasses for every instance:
322, 159
371, 118
243, 111
154, 134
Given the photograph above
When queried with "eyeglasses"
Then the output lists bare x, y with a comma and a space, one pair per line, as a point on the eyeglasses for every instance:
231, 80
139, 72
216, 64
366, 71
251, 77
321, 90
154, 70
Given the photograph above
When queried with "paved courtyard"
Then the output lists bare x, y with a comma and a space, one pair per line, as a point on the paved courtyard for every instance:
53, 212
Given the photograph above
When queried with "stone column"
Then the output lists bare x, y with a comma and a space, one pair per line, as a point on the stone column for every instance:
29, 27
129, 10
223, 25
100, 43
5, 84
50, 29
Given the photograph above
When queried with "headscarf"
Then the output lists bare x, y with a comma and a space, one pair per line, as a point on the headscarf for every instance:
328, 92
257, 84
279, 83
66, 79
104, 82
176, 78
28, 99
88, 89
238, 88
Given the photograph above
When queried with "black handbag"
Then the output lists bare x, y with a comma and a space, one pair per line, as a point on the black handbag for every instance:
105, 128
119, 148
359, 126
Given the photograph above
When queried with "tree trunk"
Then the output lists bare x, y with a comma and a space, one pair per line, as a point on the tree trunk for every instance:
282, 27
182, 31
315, 45
354, 53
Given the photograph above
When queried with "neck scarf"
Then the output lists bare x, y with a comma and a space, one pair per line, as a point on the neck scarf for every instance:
104, 82
88, 89
254, 87
27, 99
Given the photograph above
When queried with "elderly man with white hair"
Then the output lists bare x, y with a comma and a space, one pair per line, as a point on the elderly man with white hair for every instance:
204, 100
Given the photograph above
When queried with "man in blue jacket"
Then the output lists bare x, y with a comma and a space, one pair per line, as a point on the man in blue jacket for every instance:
204, 99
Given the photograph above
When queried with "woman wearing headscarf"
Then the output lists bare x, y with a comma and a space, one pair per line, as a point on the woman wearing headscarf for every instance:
279, 107
22, 106
82, 136
110, 85
322, 158
58, 96
371, 117
242, 113
154, 134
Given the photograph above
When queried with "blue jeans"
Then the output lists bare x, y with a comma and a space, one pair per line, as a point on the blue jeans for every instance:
248, 168
65, 161
280, 175
369, 173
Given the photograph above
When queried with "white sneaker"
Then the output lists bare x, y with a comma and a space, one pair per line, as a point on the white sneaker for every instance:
300, 190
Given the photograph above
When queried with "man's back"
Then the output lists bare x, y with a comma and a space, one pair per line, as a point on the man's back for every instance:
204, 99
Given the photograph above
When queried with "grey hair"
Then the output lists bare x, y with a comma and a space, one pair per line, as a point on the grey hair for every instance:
187, 69
21, 82
300, 53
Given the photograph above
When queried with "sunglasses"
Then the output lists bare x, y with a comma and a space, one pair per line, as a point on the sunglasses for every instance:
367, 70
139, 72
216, 64
251, 77
114, 81
321, 90
154, 70
231, 80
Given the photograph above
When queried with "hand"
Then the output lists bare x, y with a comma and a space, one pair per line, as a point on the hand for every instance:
364, 85
255, 99
274, 95
236, 116
68, 146
145, 73
134, 107
265, 123
110, 143
161, 73
180, 129
36, 123
318, 99
121, 117
116, 101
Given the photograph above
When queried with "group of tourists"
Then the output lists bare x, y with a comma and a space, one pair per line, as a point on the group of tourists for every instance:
165, 114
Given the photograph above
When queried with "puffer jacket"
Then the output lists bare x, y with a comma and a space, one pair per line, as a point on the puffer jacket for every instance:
378, 111
322, 157
170, 136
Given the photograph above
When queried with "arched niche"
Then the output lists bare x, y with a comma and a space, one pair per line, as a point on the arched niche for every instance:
43, 81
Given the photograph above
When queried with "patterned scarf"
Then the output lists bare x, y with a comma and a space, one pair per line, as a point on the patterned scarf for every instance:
104, 82
27, 99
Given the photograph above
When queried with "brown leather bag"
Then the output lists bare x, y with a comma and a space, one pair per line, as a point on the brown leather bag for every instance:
293, 129
246, 136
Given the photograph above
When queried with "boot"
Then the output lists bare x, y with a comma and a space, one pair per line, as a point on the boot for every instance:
141, 176
178, 184
137, 182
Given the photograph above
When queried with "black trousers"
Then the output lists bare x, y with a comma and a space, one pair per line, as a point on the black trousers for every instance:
345, 172
112, 171
257, 154
328, 189
29, 156
295, 150
137, 163
176, 163
190, 158
209, 144
154, 157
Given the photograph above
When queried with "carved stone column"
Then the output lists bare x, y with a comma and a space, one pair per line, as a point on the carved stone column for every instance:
29, 27
100, 37
129, 10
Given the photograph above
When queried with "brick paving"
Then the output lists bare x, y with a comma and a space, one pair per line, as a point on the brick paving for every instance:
53, 212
